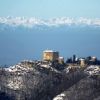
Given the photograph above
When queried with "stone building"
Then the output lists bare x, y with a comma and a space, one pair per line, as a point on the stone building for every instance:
50, 55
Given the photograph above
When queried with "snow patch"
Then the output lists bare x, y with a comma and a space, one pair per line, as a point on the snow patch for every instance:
15, 83
92, 70
19, 68
60, 96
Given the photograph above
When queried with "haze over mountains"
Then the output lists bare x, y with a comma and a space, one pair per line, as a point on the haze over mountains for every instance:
26, 38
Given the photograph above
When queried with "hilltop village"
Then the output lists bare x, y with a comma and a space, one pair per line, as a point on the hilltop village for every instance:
51, 59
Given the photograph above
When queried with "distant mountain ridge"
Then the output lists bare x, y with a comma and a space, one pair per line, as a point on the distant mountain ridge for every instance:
30, 22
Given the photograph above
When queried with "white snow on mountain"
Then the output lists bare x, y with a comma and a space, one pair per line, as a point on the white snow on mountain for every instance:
16, 84
92, 70
30, 22
18, 68
59, 97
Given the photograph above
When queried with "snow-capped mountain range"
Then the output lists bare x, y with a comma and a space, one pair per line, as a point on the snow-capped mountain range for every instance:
30, 22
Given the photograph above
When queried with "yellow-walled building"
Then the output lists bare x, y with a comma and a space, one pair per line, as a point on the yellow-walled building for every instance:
82, 62
50, 55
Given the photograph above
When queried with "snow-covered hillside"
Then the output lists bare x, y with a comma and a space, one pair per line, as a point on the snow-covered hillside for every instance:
22, 82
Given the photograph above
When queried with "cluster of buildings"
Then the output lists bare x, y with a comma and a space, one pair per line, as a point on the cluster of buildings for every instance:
52, 58
50, 55
83, 61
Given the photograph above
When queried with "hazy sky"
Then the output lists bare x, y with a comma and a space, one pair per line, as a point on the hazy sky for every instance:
50, 8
